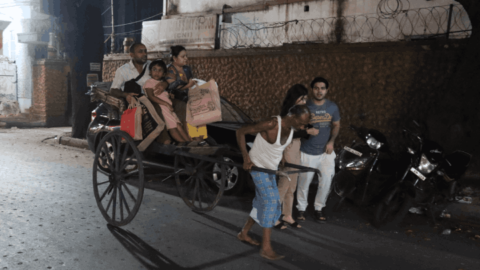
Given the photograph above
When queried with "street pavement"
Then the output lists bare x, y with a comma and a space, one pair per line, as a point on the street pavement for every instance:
49, 220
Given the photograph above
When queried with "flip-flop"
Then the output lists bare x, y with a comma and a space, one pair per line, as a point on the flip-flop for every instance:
275, 258
253, 242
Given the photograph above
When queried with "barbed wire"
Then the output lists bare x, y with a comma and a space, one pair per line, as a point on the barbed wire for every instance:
387, 9
406, 25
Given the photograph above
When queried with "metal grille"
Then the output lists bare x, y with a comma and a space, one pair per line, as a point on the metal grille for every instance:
434, 22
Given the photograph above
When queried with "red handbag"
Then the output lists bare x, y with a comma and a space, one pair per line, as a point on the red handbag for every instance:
131, 121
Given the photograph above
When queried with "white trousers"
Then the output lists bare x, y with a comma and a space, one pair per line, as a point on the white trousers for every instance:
326, 164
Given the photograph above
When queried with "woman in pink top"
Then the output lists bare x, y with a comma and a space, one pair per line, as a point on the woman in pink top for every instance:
155, 91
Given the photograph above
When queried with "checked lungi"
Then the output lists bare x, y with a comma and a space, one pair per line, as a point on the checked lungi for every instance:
266, 204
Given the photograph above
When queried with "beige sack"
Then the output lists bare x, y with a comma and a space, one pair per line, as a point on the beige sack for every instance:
203, 106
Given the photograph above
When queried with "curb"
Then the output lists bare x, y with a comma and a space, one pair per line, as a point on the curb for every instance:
73, 142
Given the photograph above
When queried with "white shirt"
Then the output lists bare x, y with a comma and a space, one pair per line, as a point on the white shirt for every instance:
266, 155
127, 72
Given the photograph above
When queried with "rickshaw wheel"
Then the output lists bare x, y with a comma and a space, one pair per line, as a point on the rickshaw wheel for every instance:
196, 184
118, 202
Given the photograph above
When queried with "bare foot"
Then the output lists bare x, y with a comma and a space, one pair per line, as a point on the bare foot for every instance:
271, 255
247, 239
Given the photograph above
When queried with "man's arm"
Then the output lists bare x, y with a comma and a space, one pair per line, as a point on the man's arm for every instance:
115, 90
333, 135
120, 94
252, 129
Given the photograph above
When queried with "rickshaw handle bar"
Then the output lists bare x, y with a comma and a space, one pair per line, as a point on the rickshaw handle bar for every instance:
301, 169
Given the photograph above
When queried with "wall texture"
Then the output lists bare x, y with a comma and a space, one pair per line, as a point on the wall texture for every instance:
378, 85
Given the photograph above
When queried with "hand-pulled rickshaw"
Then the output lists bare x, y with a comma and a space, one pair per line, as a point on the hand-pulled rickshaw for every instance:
120, 171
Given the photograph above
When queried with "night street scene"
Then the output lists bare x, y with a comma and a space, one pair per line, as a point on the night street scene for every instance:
248, 134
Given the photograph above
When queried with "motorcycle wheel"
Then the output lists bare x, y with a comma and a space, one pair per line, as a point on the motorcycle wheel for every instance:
392, 208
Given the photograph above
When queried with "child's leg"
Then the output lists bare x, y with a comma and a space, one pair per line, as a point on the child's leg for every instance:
184, 135
176, 135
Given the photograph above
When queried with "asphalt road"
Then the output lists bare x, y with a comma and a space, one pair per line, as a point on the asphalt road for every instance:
49, 220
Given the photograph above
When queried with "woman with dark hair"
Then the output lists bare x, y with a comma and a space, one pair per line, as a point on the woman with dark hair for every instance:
180, 79
296, 95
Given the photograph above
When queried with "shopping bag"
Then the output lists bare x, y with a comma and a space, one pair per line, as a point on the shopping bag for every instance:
131, 121
148, 123
203, 106
152, 123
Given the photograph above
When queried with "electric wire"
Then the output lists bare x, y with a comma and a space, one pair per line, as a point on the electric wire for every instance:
118, 25
107, 10
117, 34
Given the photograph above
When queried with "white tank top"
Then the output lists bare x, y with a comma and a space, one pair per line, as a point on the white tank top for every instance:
266, 155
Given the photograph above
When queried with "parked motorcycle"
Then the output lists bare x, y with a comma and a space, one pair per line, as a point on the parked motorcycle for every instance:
367, 169
429, 181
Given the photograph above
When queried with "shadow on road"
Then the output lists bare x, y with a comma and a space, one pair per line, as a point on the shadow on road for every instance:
149, 257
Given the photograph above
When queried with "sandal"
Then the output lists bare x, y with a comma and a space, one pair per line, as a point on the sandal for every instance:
301, 215
294, 224
280, 225
320, 216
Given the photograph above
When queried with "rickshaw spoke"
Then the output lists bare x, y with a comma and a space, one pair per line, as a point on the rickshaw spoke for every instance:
195, 192
113, 142
114, 208
129, 193
200, 196
131, 173
124, 155
124, 200
199, 164
104, 173
103, 183
188, 179
109, 203
121, 202
126, 163
210, 164
105, 192
205, 185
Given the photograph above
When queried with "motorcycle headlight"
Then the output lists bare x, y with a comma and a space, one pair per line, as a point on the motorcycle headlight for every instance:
373, 143
357, 164
426, 166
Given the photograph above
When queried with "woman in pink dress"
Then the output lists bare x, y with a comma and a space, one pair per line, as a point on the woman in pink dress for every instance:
155, 91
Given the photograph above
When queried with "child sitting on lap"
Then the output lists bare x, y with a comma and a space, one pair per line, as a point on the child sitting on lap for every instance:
155, 90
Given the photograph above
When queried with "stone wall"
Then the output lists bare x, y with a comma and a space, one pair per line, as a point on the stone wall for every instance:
50, 92
377, 85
